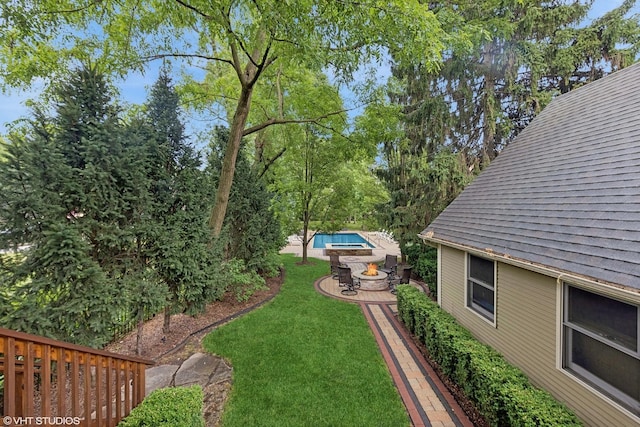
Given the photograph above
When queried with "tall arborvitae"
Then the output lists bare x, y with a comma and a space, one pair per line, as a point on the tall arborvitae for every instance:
179, 246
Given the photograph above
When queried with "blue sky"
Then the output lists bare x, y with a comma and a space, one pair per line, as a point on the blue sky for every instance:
134, 89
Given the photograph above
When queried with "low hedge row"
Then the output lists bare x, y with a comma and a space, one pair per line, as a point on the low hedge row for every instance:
168, 407
500, 391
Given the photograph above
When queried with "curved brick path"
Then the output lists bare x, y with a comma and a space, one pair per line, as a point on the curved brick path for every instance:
427, 400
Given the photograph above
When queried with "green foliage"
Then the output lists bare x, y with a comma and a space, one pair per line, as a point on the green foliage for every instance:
323, 35
533, 50
241, 45
424, 260
252, 232
272, 266
178, 242
74, 190
501, 392
113, 213
420, 187
439, 127
168, 407
240, 280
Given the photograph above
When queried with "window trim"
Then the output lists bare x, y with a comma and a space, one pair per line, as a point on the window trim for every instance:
583, 375
484, 314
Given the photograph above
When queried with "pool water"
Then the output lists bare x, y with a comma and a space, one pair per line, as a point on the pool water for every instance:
321, 239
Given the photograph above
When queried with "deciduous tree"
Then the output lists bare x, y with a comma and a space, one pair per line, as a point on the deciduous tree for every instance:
250, 38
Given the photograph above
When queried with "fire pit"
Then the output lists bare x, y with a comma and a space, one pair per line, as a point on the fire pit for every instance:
372, 279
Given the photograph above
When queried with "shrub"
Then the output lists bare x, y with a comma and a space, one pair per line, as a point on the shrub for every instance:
168, 407
242, 281
499, 390
425, 263
271, 266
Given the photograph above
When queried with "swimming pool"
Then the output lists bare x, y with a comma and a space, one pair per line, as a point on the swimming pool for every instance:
346, 240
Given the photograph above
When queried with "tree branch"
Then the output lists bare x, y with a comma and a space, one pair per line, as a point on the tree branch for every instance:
75, 10
271, 122
187, 55
271, 161
193, 9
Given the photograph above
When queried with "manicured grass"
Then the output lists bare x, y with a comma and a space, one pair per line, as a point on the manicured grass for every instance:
306, 360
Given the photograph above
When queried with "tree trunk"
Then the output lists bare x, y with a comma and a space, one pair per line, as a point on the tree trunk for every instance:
219, 209
488, 107
167, 319
305, 238
139, 334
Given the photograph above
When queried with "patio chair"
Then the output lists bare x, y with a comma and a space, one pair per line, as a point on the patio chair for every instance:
334, 261
400, 280
345, 279
390, 265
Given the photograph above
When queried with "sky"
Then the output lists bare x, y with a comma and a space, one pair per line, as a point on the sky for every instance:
134, 90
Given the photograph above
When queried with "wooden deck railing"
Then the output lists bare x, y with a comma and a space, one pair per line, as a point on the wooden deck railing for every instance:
56, 383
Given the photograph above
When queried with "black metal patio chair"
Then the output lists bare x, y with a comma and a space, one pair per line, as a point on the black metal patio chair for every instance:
390, 265
334, 261
400, 280
346, 280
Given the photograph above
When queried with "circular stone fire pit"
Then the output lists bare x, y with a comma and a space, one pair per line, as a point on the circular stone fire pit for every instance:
372, 283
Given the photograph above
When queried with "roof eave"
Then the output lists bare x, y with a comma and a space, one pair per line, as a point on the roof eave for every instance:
559, 275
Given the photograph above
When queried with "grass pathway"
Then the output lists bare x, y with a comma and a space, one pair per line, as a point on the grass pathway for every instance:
306, 360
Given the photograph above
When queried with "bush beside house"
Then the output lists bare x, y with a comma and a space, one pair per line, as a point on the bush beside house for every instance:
500, 391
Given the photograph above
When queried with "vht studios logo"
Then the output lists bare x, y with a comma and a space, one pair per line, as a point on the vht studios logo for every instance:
41, 421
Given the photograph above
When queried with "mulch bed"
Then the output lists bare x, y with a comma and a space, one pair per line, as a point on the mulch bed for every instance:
159, 347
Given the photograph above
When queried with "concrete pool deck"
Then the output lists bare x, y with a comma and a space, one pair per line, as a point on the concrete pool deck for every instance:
382, 247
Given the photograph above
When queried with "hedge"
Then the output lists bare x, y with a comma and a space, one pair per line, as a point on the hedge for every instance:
501, 392
168, 407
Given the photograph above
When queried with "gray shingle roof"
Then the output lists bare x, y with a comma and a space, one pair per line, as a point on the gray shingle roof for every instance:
566, 193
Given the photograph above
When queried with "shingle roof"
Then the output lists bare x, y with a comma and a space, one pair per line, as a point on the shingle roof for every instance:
566, 193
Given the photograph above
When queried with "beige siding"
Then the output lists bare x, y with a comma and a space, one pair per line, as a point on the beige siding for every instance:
526, 329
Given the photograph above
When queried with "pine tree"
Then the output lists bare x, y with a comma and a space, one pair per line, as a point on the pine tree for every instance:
72, 193
76, 191
179, 243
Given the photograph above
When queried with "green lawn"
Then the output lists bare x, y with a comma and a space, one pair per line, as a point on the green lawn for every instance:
306, 360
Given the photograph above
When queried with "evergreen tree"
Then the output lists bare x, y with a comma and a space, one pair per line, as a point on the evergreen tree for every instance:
180, 239
482, 97
455, 120
75, 191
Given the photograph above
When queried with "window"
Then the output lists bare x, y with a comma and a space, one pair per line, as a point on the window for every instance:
601, 339
481, 286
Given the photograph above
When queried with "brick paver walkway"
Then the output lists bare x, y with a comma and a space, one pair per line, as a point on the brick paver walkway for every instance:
426, 398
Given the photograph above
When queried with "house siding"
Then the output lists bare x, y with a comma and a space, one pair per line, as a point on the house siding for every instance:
526, 299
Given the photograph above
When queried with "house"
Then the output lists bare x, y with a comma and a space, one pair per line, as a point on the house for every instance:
540, 256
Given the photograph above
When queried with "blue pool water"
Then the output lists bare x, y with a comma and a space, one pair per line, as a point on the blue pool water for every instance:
321, 239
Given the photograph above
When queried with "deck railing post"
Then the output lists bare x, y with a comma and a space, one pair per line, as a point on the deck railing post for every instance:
10, 386
19, 409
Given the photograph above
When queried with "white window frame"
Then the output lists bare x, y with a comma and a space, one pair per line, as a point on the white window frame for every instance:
475, 308
585, 376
